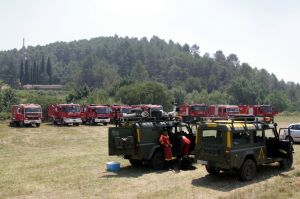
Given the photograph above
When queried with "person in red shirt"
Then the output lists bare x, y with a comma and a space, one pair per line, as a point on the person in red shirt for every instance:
166, 144
186, 146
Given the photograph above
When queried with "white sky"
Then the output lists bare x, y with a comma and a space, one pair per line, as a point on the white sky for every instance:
264, 33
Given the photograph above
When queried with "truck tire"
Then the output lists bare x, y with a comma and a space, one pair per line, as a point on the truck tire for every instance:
247, 171
135, 162
76, 124
37, 124
21, 124
287, 163
158, 160
212, 170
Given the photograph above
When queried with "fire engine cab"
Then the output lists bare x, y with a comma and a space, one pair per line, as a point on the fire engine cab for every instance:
223, 111
95, 114
258, 110
65, 114
26, 114
193, 112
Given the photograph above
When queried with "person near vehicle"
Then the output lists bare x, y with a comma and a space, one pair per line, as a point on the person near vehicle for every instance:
166, 144
186, 146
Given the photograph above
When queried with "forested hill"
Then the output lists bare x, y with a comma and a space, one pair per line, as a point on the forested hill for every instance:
131, 70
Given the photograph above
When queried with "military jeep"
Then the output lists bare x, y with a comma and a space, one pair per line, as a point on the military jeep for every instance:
240, 146
139, 141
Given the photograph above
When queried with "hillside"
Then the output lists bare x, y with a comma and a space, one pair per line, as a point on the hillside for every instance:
180, 73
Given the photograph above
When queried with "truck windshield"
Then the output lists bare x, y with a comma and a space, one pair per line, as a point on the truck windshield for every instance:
33, 110
266, 108
72, 109
232, 110
125, 110
212, 136
158, 108
103, 110
199, 108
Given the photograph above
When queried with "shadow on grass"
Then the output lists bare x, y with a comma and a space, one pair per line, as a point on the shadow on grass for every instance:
137, 171
228, 181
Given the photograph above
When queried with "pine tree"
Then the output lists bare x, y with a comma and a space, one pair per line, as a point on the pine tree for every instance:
49, 70
26, 78
21, 73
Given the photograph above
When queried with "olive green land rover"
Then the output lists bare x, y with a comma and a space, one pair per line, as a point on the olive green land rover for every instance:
241, 146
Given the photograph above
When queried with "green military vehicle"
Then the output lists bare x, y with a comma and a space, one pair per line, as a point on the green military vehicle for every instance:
139, 141
241, 146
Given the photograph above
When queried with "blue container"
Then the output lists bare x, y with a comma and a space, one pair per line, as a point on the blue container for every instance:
113, 166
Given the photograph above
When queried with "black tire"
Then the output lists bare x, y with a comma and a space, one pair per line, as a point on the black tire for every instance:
135, 162
21, 124
247, 171
76, 124
37, 124
158, 160
287, 163
290, 139
212, 170
104, 123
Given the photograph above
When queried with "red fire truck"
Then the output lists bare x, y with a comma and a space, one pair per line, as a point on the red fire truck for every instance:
149, 110
95, 114
258, 110
65, 114
223, 111
122, 111
26, 114
194, 112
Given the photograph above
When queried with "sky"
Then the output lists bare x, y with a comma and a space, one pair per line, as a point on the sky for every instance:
262, 33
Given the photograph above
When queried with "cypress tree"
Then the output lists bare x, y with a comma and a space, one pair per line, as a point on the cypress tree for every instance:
49, 70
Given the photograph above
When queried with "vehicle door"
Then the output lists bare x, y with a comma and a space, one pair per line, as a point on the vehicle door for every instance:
122, 140
295, 132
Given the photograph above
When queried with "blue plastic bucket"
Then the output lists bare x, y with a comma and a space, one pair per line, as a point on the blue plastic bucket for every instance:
112, 166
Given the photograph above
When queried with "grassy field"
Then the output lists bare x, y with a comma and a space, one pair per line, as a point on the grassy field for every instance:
70, 162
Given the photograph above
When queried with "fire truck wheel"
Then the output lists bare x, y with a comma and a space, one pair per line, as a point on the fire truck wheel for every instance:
37, 124
158, 160
21, 123
76, 124
104, 123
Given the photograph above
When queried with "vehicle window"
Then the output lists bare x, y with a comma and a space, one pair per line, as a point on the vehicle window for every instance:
297, 127
32, 110
258, 136
199, 108
241, 138
212, 136
70, 109
269, 133
194, 130
103, 110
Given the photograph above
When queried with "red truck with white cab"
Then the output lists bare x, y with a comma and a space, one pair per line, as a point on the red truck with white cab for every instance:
26, 114
96, 114
65, 114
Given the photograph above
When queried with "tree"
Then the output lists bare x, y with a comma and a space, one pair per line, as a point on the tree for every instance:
244, 91
49, 70
27, 73
278, 100
21, 73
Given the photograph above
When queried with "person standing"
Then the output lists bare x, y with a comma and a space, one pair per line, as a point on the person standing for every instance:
166, 144
186, 146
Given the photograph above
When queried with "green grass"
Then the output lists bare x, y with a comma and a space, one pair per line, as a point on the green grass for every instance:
70, 162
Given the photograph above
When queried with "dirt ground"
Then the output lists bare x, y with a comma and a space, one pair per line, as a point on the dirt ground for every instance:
70, 162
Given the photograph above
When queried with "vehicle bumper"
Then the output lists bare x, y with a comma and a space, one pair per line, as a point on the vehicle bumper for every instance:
72, 120
32, 121
98, 120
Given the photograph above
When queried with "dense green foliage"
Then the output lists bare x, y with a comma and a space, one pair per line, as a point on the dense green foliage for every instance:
131, 70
